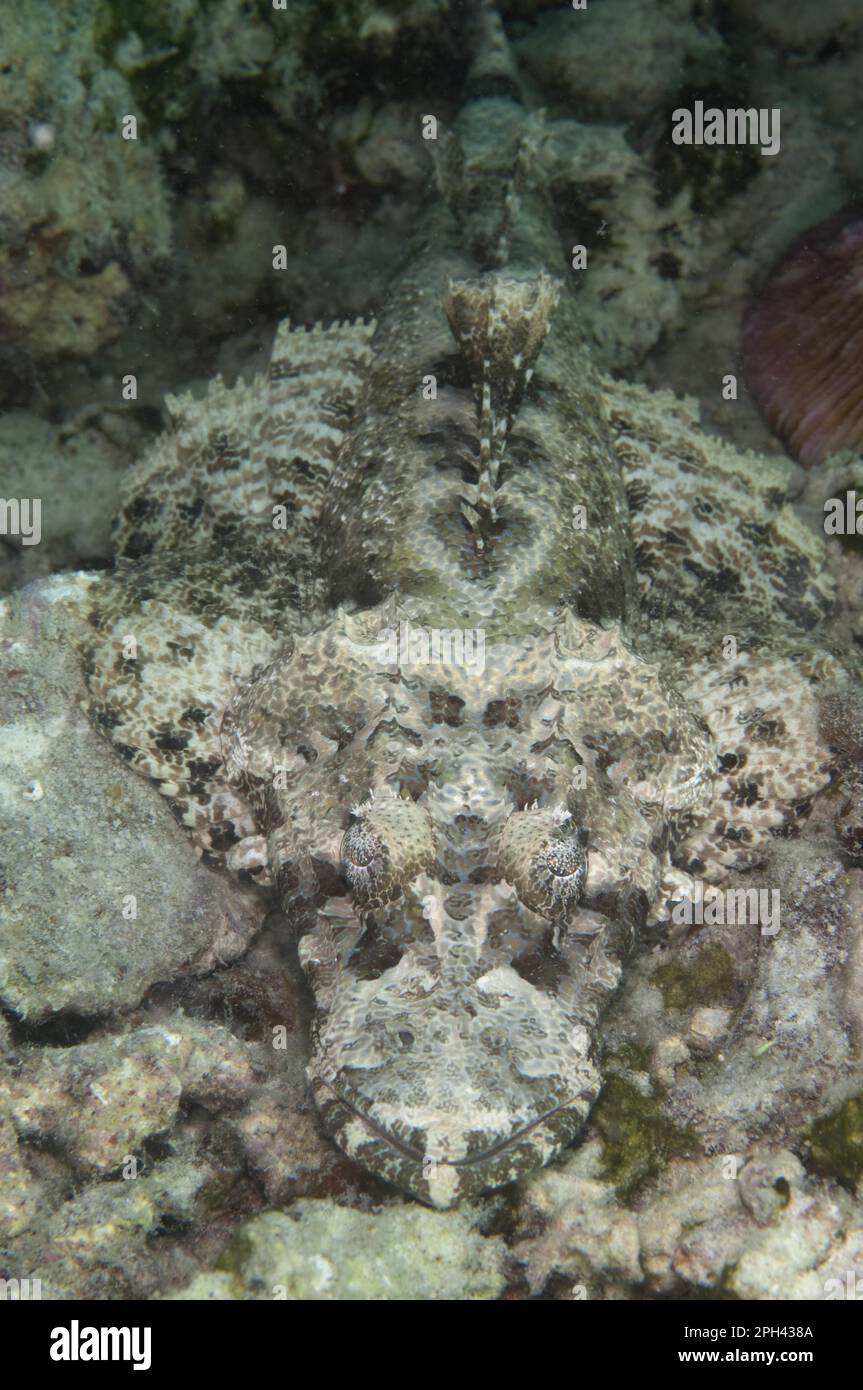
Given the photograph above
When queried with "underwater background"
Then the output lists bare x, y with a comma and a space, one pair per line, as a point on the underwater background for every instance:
175, 179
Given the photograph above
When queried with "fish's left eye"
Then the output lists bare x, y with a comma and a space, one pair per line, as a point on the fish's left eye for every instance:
540, 854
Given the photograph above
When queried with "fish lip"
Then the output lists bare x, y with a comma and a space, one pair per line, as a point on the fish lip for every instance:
418, 1157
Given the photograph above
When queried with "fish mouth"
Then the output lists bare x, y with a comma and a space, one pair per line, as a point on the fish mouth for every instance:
442, 1182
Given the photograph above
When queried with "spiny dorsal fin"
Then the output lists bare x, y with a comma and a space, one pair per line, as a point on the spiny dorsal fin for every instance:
500, 325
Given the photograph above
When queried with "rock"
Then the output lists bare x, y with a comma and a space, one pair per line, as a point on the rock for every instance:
53, 319
103, 1243
854, 981
585, 1235
796, 1245
320, 1251
707, 1028
19, 1194
641, 254
286, 1149
208, 1288
755, 1228
770, 1020
803, 29
98, 1102
669, 1054
74, 473
766, 1181
587, 57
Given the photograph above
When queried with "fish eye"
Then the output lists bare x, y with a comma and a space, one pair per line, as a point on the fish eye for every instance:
565, 858
541, 855
359, 846
366, 862
389, 843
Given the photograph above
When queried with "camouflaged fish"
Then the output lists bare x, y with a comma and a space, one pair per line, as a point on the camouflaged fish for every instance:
430, 633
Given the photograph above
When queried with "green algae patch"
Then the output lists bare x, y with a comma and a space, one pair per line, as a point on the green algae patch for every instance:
639, 1140
836, 1142
632, 1056
235, 1256
707, 980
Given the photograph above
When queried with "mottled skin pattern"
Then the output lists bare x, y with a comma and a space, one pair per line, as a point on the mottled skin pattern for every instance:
467, 840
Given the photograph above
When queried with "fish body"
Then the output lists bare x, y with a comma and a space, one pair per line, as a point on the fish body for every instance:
431, 633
